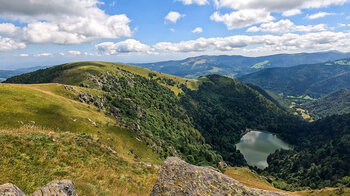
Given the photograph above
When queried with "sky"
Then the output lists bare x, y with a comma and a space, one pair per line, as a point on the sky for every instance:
49, 32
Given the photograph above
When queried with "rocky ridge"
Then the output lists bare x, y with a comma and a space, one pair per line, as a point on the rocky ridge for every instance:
180, 178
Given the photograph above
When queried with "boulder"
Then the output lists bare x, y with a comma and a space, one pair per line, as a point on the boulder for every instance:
179, 178
57, 188
10, 190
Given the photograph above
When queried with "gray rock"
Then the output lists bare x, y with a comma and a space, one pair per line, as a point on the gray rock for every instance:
57, 188
179, 178
10, 190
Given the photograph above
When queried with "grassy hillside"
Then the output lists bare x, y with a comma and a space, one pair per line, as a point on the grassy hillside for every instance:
138, 99
254, 180
46, 135
314, 80
77, 74
335, 103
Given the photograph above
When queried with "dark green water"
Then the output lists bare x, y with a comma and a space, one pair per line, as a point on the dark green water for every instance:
256, 146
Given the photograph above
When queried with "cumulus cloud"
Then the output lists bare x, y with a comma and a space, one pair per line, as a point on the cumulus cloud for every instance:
325, 40
64, 21
242, 18
319, 15
189, 2
292, 12
173, 17
7, 44
8, 28
127, 46
286, 26
277, 5
197, 30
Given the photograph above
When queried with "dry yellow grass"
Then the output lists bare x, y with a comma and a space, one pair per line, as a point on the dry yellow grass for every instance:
249, 178
31, 157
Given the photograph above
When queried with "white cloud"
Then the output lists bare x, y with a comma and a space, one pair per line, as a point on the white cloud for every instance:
7, 44
319, 15
243, 44
291, 12
199, 2
8, 28
286, 26
64, 21
277, 5
127, 46
172, 30
44, 54
197, 30
318, 41
74, 53
24, 55
173, 16
242, 18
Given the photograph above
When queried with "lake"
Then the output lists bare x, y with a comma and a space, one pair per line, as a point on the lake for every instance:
256, 146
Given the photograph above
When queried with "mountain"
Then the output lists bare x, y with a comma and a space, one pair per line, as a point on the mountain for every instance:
108, 126
176, 116
315, 80
236, 66
4, 74
335, 103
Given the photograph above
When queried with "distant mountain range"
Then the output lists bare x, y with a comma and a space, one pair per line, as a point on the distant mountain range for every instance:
236, 66
4, 74
315, 80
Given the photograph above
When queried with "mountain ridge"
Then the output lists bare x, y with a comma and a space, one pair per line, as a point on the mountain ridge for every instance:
236, 65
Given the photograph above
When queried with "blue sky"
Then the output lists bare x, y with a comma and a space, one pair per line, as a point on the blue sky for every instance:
48, 32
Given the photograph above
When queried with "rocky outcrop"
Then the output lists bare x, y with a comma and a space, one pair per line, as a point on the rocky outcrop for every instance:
10, 190
180, 178
57, 188
54, 188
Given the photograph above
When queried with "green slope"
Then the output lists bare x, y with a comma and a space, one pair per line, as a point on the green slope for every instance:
143, 101
335, 103
46, 135
77, 74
